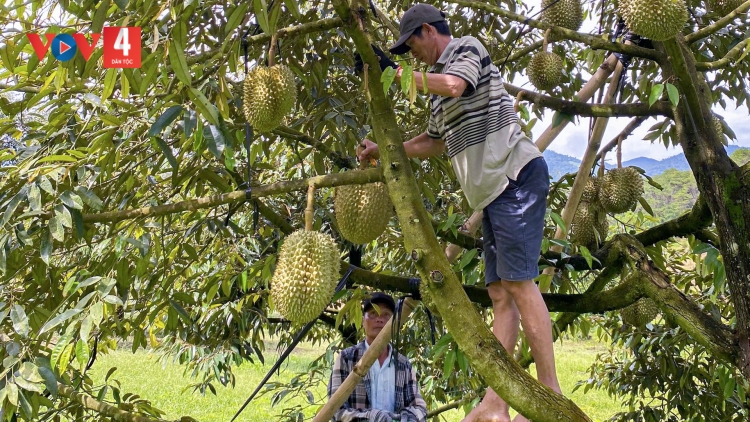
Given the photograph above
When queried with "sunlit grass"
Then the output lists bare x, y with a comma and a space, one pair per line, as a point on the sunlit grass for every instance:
142, 374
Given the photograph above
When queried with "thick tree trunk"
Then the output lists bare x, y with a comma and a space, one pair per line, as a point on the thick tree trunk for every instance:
485, 352
719, 182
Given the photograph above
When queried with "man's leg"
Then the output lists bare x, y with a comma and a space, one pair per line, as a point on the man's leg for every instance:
537, 328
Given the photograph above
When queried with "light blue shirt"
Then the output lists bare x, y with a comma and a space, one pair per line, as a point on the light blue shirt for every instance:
383, 383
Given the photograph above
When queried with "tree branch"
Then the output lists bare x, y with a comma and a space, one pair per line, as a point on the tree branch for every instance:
104, 409
595, 43
727, 60
289, 31
327, 181
627, 131
718, 25
660, 108
695, 220
336, 157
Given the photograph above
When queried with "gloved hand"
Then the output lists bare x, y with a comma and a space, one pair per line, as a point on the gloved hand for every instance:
384, 60
377, 415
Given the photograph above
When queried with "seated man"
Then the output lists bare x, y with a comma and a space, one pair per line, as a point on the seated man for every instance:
389, 391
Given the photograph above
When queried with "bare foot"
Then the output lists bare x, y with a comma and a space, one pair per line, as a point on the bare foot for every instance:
491, 409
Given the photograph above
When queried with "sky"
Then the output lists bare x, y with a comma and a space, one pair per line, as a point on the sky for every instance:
572, 141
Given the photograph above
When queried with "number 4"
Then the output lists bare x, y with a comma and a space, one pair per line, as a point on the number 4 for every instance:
121, 43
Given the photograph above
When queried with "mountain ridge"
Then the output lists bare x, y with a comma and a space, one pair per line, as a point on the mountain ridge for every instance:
561, 164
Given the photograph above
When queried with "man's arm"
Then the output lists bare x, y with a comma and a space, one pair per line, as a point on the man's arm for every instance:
439, 84
421, 146
416, 411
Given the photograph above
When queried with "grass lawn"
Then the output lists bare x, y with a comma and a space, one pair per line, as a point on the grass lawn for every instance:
141, 374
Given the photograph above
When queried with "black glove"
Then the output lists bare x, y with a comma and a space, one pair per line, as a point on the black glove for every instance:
385, 62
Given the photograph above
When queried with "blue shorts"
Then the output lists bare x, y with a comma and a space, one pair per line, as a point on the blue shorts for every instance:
513, 226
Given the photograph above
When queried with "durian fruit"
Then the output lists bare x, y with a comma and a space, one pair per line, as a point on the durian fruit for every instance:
362, 211
591, 191
590, 226
269, 94
657, 20
640, 313
723, 7
306, 275
545, 70
565, 13
620, 189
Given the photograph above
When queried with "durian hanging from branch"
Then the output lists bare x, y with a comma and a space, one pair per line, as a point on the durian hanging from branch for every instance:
657, 20
362, 211
269, 93
564, 13
621, 187
307, 271
545, 69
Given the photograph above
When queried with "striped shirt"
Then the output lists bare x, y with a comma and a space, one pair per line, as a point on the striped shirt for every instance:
480, 129
409, 404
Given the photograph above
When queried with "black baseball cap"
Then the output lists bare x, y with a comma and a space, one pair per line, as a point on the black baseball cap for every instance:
413, 19
381, 299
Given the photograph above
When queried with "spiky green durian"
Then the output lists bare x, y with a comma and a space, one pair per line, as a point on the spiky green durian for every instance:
545, 70
269, 94
641, 312
565, 13
590, 226
362, 211
306, 275
657, 20
591, 191
724, 7
620, 189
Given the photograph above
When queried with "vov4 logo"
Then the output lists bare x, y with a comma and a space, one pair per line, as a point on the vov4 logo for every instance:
122, 46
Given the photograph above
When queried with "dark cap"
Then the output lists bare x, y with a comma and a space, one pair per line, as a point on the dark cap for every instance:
413, 19
381, 299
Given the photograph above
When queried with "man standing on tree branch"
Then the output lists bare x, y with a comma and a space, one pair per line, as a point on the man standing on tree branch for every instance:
500, 170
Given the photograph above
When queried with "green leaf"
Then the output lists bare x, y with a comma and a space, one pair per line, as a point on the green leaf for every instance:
293, 7
20, 320
26, 411
179, 63
559, 221
30, 372
235, 18
54, 356
54, 322
656, 92
586, 255
89, 197
45, 184
206, 109
450, 359
167, 151
82, 353
64, 359
96, 312
261, 15
97, 23
389, 74
190, 120
56, 228
86, 325
63, 215
78, 221
109, 82
646, 206
45, 247
122, 4
35, 198
215, 140
165, 120
181, 312
72, 200
674, 95
49, 380
12, 205
407, 74
12, 393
